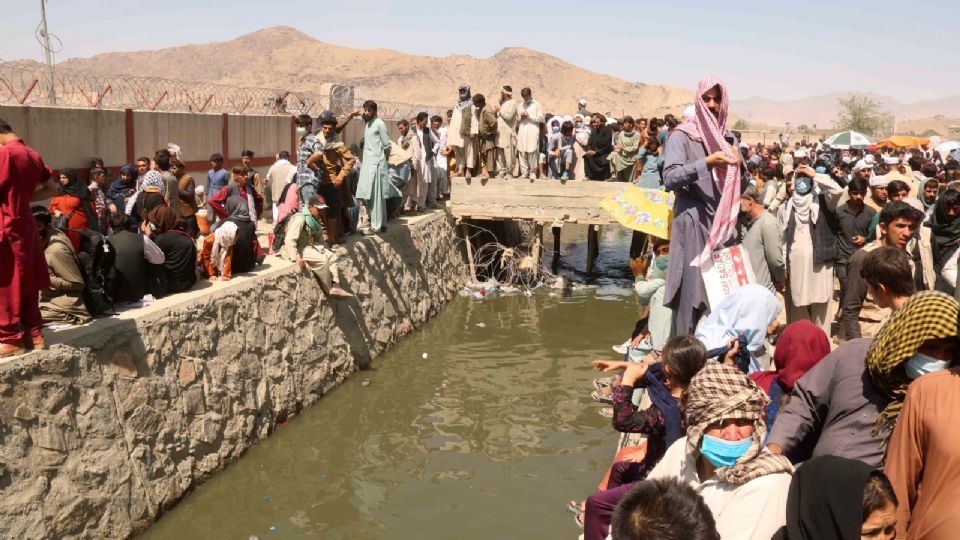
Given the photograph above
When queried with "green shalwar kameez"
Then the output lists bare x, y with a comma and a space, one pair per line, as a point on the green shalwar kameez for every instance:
374, 186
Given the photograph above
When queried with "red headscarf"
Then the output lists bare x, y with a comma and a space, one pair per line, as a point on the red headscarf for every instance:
801, 345
704, 127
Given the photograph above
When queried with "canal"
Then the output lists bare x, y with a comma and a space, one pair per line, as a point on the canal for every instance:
480, 425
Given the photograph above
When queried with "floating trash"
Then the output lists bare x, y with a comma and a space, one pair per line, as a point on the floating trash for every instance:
424, 356
481, 325
266, 497
273, 528
365, 382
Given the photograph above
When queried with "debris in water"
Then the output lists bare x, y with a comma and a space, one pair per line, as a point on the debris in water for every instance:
266, 497
323, 476
273, 528
253, 537
424, 356
481, 325
365, 382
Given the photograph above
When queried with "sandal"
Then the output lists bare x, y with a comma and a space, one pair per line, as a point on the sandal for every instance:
601, 397
577, 509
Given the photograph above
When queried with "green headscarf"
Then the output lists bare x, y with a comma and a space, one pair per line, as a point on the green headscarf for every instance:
311, 221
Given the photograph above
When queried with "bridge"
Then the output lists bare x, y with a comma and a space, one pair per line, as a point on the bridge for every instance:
546, 202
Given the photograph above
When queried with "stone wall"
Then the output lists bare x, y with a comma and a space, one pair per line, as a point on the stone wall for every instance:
117, 421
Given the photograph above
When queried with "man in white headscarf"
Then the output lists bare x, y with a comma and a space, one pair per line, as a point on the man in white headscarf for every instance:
507, 117
810, 246
528, 136
461, 133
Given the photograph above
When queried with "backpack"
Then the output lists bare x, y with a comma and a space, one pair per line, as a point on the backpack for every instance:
96, 258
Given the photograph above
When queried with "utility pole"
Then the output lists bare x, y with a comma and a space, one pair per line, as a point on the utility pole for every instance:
47, 53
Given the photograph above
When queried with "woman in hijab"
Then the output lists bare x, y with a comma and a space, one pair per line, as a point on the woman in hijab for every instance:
703, 168
848, 407
599, 145
178, 272
751, 312
800, 346
74, 201
152, 194
232, 246
722, 456
945, 239
661, 422
122, 190
834, 498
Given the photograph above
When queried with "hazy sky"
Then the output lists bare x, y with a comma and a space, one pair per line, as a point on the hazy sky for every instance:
782, 50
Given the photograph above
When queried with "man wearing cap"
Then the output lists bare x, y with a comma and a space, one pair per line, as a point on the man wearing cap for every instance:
507, 117
298, 246
893, 173
760, 236
528, 135
582, 108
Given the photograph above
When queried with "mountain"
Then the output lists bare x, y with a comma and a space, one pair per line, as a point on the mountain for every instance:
823, 110
274, 58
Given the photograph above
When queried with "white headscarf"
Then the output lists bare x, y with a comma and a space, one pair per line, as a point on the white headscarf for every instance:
224, 238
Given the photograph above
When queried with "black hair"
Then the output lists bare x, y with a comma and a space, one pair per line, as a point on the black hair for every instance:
951, 165
479, 100
895, 210
566, 128
896, 186
436, 118
857, 184
931, 182
119, 221
5, 127
929, 169
671, 122
328, 121
216, 158
685, 355
143, 158
526, 92
949, 198
889, 266
626, 119
370, 105
247, 153
752, 168
663, 509
238, 169
404, 122
421, 116
877, 494
304, 120
283, 154
915, 163
41, 215
508, 88
162, 161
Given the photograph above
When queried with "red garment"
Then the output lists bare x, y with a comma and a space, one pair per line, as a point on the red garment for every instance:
800, 346
218, 200
23, 269
71, 206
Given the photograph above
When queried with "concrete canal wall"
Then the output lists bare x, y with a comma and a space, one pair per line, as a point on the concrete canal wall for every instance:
120, 419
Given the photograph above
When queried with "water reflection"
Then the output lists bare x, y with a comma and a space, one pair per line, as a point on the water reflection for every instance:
489, 436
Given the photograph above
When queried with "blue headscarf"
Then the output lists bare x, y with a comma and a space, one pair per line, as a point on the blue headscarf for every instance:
747, 311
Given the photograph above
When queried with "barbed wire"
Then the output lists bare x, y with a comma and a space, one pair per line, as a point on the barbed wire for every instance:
20, 85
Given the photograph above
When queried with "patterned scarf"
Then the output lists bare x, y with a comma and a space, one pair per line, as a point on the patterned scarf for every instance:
927, 315
704, 127
721, 392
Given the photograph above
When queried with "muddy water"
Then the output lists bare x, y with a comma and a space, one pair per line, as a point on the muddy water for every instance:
487, 436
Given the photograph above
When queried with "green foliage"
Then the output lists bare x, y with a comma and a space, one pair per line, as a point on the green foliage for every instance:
741, 124
861, 113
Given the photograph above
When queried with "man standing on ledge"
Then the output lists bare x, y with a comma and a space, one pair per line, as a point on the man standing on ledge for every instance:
528, 138
704, 171
506, 132
23, 270
374, 187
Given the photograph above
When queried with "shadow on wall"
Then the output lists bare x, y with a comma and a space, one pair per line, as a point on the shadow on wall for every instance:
121, 418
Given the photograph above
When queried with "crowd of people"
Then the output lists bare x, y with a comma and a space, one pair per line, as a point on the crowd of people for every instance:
812, 402
809, 403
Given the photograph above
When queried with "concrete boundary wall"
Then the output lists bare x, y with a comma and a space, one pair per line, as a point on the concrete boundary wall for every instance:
120, 419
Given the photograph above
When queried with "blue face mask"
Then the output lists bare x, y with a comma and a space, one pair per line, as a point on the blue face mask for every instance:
821, 169
921, 364
802, 185
723, 453
661, 262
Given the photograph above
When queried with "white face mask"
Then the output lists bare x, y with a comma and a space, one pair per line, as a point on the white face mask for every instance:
920, 364
301, 130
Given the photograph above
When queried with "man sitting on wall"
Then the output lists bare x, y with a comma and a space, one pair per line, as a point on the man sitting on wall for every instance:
299, 247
